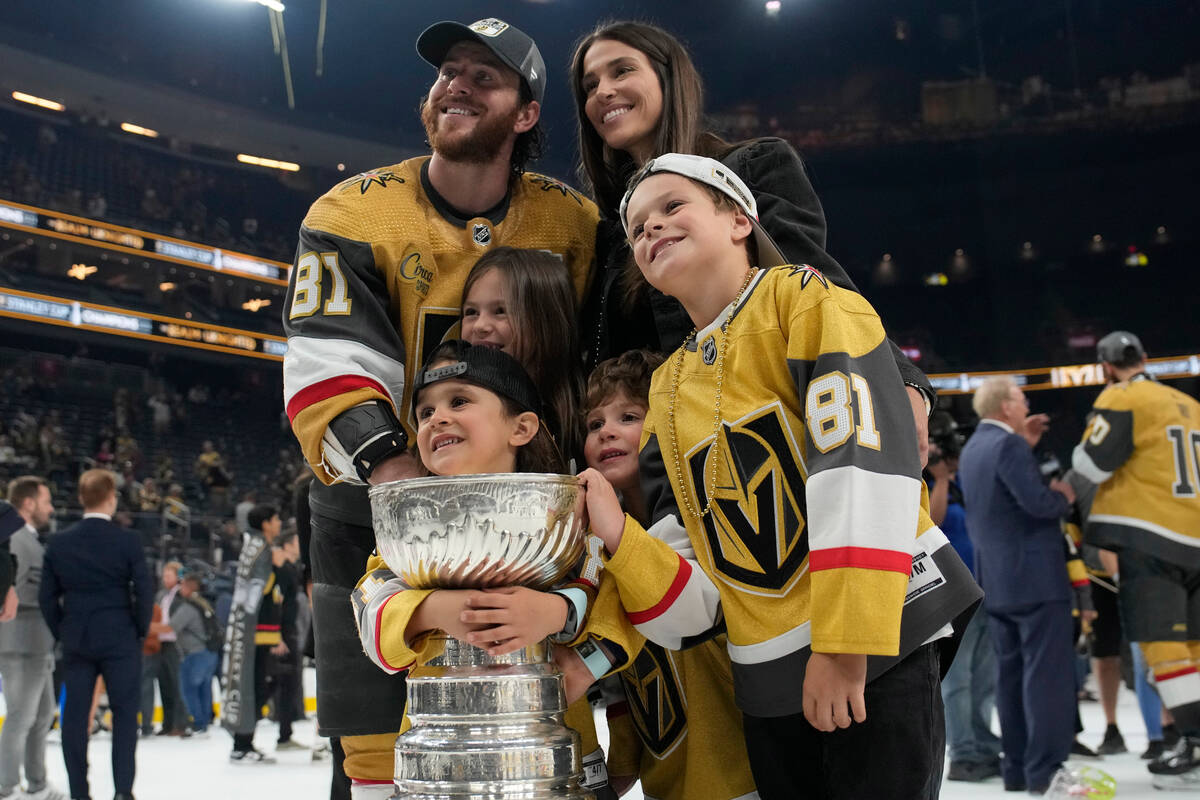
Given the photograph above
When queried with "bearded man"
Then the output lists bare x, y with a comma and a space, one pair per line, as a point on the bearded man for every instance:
376, 285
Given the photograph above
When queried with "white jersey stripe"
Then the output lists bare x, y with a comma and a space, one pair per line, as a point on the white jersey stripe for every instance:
310, 360
888, 520
1133, 522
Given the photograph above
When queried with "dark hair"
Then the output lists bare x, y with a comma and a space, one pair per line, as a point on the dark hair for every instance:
284, 538
679, 130
539, 454
260, 514
528, 145
22, 488
629, 373
541, 305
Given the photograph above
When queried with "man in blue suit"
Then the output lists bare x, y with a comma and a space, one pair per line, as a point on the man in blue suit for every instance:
97, 598
1013, 521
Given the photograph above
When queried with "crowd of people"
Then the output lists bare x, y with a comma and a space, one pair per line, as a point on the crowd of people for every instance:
82, 613
77, 169
754, 449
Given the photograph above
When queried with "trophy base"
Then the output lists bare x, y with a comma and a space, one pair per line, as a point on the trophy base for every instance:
488, 728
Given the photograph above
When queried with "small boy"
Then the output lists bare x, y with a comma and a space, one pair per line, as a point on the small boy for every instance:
780, 469
674, 724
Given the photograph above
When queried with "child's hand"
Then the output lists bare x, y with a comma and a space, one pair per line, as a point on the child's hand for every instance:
442, 610
505, 620
577, 678
831, 682
605, 516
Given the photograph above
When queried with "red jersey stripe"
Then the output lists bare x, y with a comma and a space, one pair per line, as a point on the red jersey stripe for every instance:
1179, 673
379, 631
861, 557
673, 591
330, 387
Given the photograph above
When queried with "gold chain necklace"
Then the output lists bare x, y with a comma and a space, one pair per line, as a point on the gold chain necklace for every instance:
678, 368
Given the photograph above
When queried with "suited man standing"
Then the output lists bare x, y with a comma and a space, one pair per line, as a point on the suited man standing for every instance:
97, 598
1013, 522
27, 652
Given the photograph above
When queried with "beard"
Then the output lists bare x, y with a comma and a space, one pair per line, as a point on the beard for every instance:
480, 146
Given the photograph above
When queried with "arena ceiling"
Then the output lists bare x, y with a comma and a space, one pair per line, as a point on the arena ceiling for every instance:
810, 52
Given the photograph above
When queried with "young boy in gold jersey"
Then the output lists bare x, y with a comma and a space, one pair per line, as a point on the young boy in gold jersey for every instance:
673, 724
779, 466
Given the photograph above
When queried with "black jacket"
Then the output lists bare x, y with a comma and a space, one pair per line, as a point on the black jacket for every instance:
788, 207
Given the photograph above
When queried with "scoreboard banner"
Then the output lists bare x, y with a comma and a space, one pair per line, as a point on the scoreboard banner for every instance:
1064, 377
50, 310
131, 240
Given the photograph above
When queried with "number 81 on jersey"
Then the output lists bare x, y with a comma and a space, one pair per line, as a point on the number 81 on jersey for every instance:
306, 297
830, 414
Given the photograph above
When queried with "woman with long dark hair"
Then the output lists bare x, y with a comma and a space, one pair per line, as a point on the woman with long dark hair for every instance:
638, 95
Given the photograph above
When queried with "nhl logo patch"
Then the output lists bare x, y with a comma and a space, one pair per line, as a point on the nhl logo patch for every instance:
708, 351
482, 234
489, 27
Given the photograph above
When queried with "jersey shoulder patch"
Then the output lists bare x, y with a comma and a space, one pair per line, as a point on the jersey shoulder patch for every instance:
544, 183
357, 205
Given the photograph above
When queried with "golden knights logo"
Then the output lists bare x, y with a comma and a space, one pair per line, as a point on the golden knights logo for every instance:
365, 180
756, 529
655, 700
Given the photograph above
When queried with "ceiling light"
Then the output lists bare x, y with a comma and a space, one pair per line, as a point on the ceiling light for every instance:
268, 162
38, 101
129, 127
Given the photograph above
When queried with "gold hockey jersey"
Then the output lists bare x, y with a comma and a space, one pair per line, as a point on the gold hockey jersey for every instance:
819, 535
1143, 448
678, 729
378, 278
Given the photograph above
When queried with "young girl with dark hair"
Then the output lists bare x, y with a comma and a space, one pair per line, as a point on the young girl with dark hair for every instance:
482, 417
522, 302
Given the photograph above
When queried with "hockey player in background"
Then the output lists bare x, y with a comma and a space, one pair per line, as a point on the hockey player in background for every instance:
1143, 448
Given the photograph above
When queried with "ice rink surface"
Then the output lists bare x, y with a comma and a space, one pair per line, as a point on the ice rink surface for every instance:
199, 768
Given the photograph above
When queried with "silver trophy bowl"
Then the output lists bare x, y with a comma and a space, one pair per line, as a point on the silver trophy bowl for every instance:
479, 531
484, 727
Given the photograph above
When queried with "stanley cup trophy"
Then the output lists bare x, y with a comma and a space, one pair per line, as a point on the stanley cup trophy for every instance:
484, 727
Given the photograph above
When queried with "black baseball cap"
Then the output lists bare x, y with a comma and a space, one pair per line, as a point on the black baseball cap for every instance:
1121, 349
483, 366
508, 43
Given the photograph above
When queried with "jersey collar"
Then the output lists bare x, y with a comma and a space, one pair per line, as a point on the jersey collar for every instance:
727, 315
494, 215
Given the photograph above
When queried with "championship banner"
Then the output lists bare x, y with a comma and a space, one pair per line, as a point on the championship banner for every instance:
130, 240
239, 711
1063, 377
64, 312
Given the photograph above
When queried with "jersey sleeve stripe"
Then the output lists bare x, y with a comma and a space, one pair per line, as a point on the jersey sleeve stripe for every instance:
379, 634
682, 576
1083, 463
861, 557
1179, 673
330, 387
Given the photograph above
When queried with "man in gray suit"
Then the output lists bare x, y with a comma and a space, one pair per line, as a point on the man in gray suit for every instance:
27, 653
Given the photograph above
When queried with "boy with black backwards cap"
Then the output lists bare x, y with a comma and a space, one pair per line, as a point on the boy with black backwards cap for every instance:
1143, 448
780, 469
375, 286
